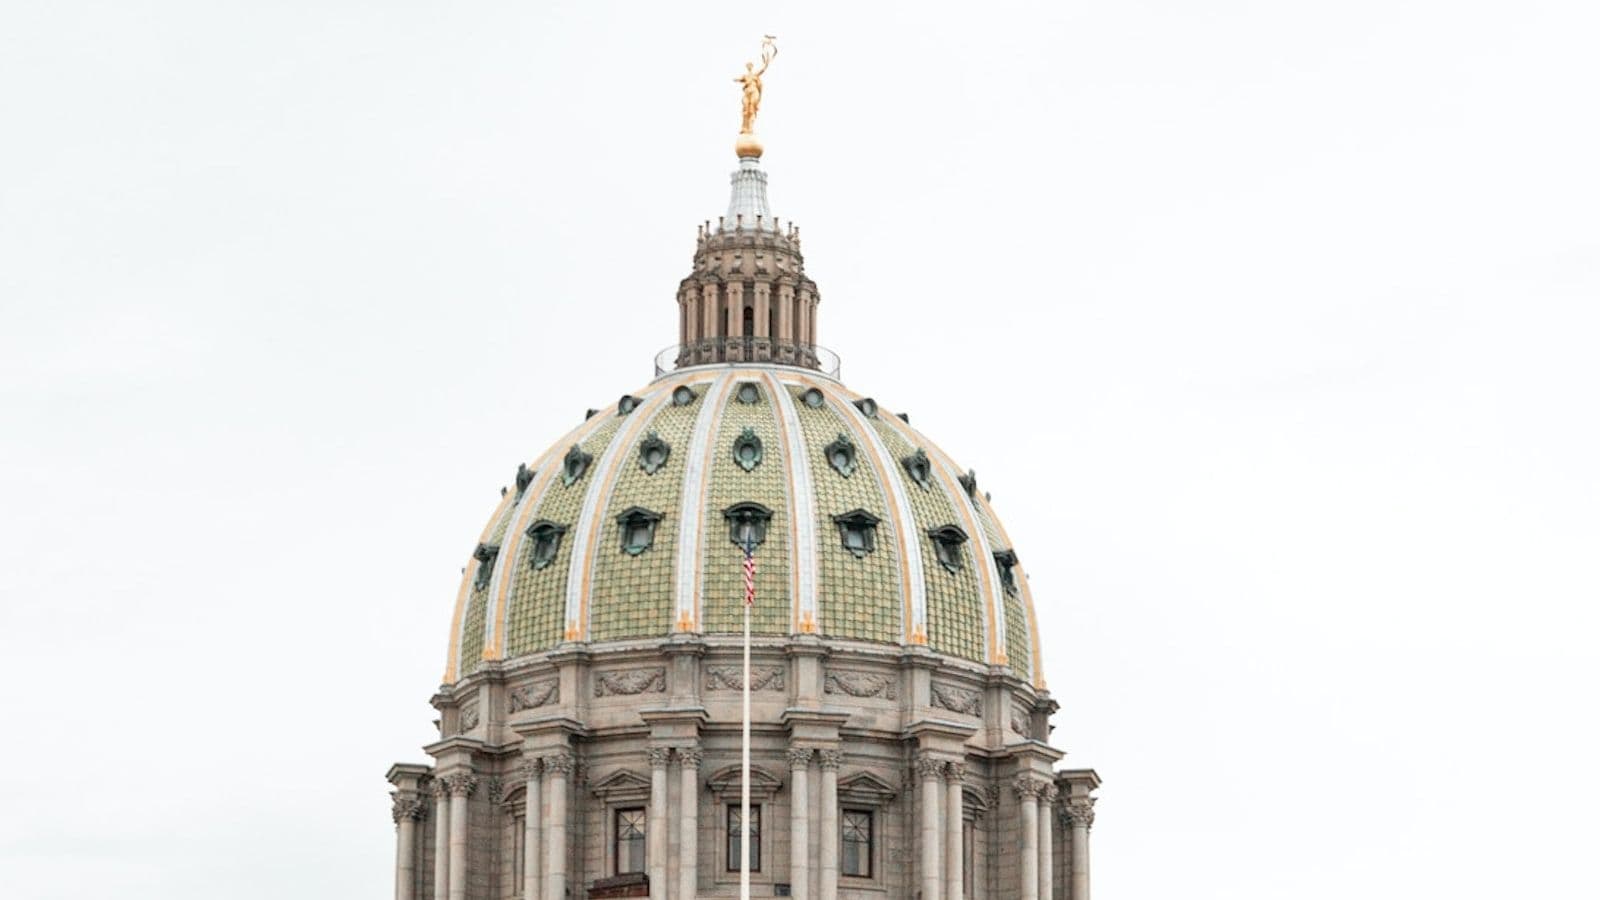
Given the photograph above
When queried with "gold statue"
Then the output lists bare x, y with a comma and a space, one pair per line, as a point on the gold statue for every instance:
751, 82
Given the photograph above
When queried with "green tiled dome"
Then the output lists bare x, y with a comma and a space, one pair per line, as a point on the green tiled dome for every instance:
620, 530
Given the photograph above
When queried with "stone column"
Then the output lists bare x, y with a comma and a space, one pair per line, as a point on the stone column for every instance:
708, 308
1047, 842
688, 823
828, 826
799, 822
407, 810
953, 821
441, 840
460, 786
929, 771
532, 821
655, 838
1081, 811
1028, 789
557, 767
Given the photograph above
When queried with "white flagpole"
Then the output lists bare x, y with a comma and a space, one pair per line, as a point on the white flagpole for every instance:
744, 749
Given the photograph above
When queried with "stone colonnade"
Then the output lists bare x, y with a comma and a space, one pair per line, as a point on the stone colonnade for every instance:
940, 811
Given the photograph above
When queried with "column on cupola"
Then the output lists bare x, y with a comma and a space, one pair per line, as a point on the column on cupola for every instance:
930, 772
558, 768
655, 839
688, 822
828, 826
708, 311
460, 785
763, 309
803, 326
799, 821
1047, 841
1028, 790
408, 808
441, 840
953, 822
786, 314
532, 821
736, 314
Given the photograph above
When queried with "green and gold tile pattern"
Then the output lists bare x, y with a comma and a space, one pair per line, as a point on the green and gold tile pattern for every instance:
722, 575
632, 596
538, 603
478, 602
955, 604
856, 598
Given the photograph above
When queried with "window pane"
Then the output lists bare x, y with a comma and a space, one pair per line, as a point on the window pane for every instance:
856, 843
733, 838
630, 831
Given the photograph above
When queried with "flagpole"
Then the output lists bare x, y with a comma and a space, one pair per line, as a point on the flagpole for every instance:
744, 746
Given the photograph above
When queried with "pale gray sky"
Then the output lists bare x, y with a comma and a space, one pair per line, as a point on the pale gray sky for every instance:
1271, 327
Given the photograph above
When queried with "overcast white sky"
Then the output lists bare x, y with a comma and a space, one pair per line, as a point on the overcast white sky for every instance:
1271, 327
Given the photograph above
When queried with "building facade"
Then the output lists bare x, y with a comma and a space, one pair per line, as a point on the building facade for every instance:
589, 717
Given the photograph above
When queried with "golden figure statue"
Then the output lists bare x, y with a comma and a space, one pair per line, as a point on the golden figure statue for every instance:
750, 83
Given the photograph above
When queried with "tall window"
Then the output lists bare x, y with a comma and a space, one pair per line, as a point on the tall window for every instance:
856, 856
630, 840
733, 837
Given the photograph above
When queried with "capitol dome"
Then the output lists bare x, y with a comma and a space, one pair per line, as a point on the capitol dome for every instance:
627, 528
599, 696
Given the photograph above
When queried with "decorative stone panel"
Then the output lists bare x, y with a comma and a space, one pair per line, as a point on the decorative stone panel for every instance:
630, 681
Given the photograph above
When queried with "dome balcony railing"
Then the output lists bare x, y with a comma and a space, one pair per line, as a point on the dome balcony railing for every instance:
739, 350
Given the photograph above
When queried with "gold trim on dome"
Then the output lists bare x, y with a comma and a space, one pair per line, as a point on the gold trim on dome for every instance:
452, 666
709, 454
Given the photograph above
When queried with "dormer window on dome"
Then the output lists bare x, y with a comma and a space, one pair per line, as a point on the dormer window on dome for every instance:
485, 555
841, 454
747, 450
747, 523
574, 465
627, 404
546, 538
1006, 562
813, 398
637, 526
947, 541
683, 395
524, 478
918, 467
653, 453
748, 392
969, 483
857, 531
868, 407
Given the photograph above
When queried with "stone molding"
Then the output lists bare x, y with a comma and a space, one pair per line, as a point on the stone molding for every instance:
731, 678
860, 684
625, 682
535, 695
956, 699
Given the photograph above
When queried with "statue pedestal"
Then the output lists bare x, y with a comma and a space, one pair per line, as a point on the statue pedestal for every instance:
748, 146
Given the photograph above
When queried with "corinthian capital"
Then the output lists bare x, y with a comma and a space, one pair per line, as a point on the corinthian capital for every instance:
955, 771
1080, 810
659, 757
930, 767
407, 806
530, 768
560, 763
1049, 794
1028, 787
829, 760
800, 757
690, 757
460, 784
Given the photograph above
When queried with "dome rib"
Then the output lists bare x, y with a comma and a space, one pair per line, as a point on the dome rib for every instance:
697, 469
913, 591
802, 524
590, 520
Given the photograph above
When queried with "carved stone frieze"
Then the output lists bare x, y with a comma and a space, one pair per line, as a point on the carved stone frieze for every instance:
630, 681
535, 694
860, 684
956, 699
469, 717
731, 678
1021, 720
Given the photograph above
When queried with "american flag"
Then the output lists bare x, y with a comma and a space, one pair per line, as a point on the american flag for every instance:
749, 575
